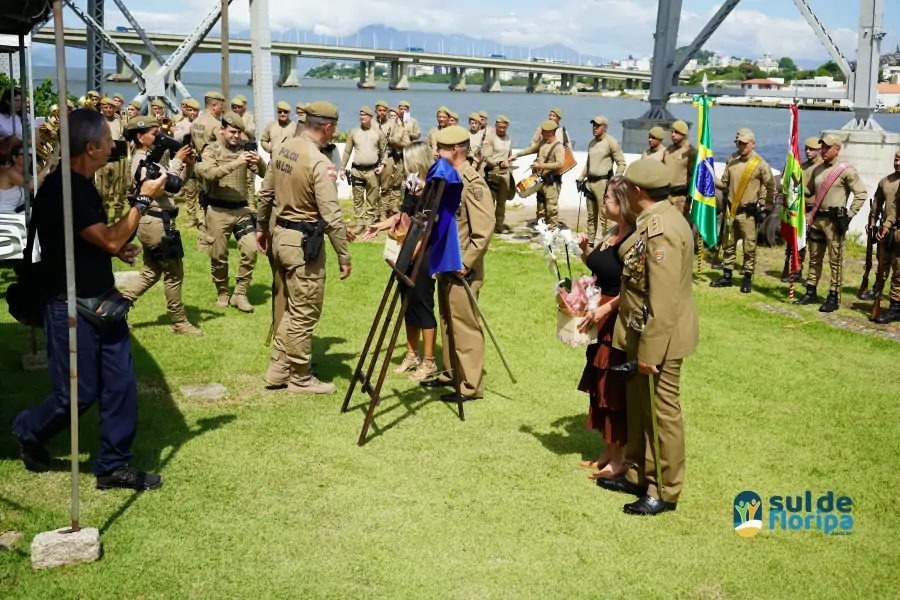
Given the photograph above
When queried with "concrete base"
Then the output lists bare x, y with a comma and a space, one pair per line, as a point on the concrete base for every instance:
58, 548
636, 131
872, 154
365, 86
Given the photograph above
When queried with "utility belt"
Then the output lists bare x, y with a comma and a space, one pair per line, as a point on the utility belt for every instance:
313, 236
595, 178
679, 190
225, 204
751, 209
839, 215
364, 168
552, 179
171, 213
170, 246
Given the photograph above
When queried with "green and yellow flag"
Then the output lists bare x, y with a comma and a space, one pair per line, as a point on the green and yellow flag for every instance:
703, 183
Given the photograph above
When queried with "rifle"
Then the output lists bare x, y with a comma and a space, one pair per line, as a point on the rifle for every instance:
870, 240
880, 277
479, 153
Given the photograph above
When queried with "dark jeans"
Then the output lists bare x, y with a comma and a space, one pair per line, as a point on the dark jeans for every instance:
105, 372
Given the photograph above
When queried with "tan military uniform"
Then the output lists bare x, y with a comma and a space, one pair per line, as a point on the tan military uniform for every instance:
431, 139
552, 156
821, 233
205, 130
365, 145
759, 193
537, 140
249, 135
885, 201
475, 221
191, 189
657, 324
412, 129
603, 153
499, 177
303, 180
275, 133
680, 159
111, 180
150, 232
226, 186
657, 154
391, 178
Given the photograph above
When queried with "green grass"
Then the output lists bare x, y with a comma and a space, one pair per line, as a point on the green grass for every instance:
267, 495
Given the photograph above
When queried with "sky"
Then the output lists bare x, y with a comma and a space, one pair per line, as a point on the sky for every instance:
609, 28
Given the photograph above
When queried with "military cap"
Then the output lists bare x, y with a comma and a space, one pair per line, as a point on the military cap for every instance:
301, 118
681, 127
444, 109
366, 110
214, 96
237, 101
657, 133
192, 102
301, 106
556, 112
323, 109
282, 105
393, 110
831, 140
813, 143
92, 94
135, 104
483, 113
502, 119
241, 98
549, 125
119, 96
70, 105
453, 115
381, 103
158, 104
453, 135
474, 116
141, 122
600, 120
107, 102
231, 119
648, 174
746, 135
404, 103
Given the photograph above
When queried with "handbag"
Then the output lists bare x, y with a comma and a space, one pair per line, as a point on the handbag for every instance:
25, 296
105, 310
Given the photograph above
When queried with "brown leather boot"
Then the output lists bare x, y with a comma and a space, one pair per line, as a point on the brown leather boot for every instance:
279, 371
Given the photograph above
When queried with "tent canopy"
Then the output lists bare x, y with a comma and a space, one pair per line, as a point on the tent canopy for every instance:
21, 16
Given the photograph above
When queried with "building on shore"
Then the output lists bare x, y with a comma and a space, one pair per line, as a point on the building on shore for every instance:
776, 83
767, 64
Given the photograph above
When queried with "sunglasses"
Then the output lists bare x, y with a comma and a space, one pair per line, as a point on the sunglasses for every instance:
283, 112
16, 152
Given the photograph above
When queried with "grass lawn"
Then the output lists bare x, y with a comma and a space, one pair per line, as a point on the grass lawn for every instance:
267, 495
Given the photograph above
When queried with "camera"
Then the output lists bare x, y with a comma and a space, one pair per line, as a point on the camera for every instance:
154, 171
159, 147
247, 147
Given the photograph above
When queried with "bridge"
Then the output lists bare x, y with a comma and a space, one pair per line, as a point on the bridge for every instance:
398, 61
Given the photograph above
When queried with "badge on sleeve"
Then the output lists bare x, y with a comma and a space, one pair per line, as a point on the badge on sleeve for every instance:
478, 193
659, 255
332, 171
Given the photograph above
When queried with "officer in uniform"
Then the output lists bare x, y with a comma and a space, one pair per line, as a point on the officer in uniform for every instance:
410, 122
562, 135
656, 149
300, 110
278, 130
364, 143
657, 327
132, 110
889, 235
829, 185
475, 222
498, 171
443, 117
751, 190
239, 107
119, 101
478, 139
813, 150
882, 203
163, 251
208, 125
453, 119
190, 192
390, 171
223, 169
603, 152
551, 158
158, 109
483, 118
180, 115
679, 158
306, 209
110, 179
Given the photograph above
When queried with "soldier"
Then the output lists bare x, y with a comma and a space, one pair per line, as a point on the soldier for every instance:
656, 148
442, 116
561, 134
889, 235
813, 150
223, 171
163, 251
483, 119
751, 190
680, 158
300, 110
452, 119
110, 179
133, 109
881, 204
366, 141
119, 101
157, 109
478, 138
551, 158
278, 130
390, 169
410, 122
828, 220
207, 126
498, 169
180, 115
191, 189
475, 222
657, 327
306, 209
603, 151
239, 107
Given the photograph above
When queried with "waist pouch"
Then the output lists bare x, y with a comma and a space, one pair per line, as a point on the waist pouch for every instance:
104, 311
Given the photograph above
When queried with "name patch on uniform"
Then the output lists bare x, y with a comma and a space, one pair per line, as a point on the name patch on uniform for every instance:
659, 255
288, 154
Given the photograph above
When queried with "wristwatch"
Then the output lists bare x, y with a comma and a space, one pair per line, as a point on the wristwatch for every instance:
141, 202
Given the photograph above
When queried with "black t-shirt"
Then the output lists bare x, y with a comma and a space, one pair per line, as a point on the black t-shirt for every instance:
93, 265
605, 264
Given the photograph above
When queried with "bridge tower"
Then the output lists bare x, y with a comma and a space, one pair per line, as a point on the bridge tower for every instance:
94, 75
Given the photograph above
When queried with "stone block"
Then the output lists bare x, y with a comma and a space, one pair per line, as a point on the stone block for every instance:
64, 547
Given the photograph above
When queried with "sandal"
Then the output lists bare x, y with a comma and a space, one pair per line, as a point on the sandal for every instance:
410, 362
427, 370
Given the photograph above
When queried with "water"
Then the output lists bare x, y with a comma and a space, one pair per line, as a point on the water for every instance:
525, 111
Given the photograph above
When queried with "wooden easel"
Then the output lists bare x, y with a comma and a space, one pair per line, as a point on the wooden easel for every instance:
363, 374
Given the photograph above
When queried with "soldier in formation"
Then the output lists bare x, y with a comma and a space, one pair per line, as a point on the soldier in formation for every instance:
498, 171
390, 170
655, 147
604, 159
886, 204
409, 122
277, 131
551, 157
110, 180
813, 150
680, 157
364, 144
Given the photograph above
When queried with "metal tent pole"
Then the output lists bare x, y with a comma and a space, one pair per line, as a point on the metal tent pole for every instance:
27, 143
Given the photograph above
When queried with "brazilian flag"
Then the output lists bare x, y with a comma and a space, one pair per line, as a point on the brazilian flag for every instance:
703, 183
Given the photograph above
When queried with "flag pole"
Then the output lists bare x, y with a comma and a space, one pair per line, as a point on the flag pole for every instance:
705, 84
794, 241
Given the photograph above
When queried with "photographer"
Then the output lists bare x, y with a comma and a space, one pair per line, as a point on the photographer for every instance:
161, 241
224, 169
105, 368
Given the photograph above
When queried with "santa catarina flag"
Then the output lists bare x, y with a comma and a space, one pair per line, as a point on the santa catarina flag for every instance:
793, 203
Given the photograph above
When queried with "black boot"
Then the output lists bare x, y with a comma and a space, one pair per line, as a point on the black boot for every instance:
831, 303
891, 314
810, 297
870, 295
787, 278
723, 281
745, 284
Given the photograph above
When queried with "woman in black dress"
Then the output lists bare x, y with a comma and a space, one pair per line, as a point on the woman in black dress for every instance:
417, 158
605, 388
